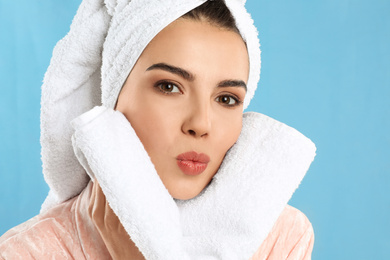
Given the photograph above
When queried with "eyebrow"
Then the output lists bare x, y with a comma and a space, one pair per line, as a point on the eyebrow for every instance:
172, 69
190, 77
232, 83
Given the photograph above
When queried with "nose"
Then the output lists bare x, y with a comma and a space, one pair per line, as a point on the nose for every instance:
197, 123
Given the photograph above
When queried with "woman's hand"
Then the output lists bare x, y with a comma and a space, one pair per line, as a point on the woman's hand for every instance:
115, 237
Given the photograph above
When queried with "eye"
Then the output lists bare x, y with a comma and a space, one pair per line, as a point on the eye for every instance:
168, 87
227, 100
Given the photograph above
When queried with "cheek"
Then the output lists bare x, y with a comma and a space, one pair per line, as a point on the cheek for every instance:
153, 123
229, 129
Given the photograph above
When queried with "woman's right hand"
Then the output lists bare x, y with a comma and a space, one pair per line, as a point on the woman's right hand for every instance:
115, 237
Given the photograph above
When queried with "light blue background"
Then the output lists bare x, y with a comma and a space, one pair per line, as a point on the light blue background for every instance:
325, 71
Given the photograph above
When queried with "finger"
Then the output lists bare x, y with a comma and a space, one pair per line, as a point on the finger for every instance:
91, 200
98, 209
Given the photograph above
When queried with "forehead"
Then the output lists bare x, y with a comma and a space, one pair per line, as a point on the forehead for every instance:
199, 46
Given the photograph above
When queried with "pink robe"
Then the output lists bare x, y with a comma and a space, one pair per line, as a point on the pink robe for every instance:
67, 232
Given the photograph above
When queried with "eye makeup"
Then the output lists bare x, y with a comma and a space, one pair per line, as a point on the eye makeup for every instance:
167, 87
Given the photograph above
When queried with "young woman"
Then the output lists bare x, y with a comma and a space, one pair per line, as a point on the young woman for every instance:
168, 167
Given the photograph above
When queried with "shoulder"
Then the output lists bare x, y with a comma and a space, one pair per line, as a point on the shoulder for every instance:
294, 218
292, 237
46, 235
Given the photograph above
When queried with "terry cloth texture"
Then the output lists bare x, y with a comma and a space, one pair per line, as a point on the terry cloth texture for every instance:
255, 181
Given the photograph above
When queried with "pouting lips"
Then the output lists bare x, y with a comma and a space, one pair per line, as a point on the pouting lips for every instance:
194, 156
192, 163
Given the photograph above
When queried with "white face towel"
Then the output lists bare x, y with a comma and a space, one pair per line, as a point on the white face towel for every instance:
232, 215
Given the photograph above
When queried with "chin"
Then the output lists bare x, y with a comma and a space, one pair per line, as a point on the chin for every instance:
184, 194
185, 187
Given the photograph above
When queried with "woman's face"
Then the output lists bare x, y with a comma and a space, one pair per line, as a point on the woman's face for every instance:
184, 99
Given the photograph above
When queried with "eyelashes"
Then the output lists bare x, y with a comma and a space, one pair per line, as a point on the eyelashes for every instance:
228, 100
167, 87
225, 99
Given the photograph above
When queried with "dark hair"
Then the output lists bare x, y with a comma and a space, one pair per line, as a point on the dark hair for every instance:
214, 12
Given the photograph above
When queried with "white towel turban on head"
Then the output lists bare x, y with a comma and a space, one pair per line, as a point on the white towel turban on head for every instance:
134, 25
88, 68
